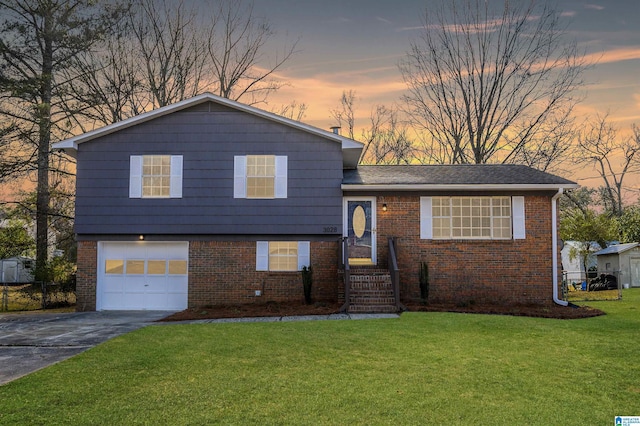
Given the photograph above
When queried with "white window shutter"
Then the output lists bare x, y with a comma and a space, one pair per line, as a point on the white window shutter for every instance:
517, 204
135, 176
426, 219
175, 185
304, 254
239, 176
262, 256
281, 176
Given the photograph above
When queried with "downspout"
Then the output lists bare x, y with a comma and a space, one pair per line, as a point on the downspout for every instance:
554, 248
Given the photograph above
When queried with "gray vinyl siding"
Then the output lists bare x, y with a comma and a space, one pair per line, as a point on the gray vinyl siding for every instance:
208, 141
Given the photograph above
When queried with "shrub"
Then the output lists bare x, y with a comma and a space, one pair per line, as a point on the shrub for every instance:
307, 282
424, 282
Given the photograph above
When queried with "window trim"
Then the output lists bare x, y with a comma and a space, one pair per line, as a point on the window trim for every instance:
135, 177
518, 228
240, 177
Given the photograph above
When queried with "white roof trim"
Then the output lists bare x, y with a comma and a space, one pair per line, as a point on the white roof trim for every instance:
72, 143
455, 187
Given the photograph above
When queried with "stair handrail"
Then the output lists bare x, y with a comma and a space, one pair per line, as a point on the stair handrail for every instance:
344, 260
394, 272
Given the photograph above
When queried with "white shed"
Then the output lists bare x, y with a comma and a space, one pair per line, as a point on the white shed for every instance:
572, 266
624, 258
16, 270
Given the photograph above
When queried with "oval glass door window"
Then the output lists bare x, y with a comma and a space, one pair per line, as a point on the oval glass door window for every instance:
359, 221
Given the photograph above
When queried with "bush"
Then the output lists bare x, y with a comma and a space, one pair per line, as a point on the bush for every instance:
424, 282
307, 282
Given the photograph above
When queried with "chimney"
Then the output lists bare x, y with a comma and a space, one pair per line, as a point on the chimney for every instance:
335, 129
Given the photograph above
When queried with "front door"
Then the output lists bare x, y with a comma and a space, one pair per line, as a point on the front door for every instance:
360, 229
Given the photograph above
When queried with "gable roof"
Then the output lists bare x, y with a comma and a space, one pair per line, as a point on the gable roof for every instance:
350, 149
476, 177
616, 249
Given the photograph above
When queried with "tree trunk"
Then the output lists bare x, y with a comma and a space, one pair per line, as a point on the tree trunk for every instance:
44, 142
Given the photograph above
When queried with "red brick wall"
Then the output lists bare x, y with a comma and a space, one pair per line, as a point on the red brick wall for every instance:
461, 271
225, 273
470, 271
86, 276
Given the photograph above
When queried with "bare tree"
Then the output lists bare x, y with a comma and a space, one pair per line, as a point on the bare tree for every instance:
236, 43
110, 82
386, 140
41, 42
345, 113
613, 157
153, 58
171, 52
294, 110
489, 86
167, 51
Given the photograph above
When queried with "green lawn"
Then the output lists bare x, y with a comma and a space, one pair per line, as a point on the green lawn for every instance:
424, 368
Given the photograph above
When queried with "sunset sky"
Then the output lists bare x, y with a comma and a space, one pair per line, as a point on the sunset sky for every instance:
356, 44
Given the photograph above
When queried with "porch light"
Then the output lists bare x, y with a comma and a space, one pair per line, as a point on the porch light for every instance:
141, 237
384, 207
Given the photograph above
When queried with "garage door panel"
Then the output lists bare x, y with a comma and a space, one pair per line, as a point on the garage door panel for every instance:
153, 276
134, 301
156, 301
112, 300
177, 288
113, 284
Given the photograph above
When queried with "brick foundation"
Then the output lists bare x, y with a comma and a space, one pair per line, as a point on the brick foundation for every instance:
225, 273
461, 271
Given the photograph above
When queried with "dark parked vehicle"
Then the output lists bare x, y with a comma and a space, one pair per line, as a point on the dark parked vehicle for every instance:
603, 282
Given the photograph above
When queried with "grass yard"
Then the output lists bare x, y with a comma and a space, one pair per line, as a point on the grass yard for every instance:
424, 368
587, 296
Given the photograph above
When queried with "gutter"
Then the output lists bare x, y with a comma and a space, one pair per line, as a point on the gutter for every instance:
451, 187
554, 248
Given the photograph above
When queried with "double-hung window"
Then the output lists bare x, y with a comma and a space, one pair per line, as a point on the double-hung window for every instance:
260, 176
155, 176
282, 255
472, 217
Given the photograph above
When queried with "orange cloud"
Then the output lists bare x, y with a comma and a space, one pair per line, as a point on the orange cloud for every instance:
614, 55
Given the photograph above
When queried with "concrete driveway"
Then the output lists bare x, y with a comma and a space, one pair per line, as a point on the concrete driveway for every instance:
29, 342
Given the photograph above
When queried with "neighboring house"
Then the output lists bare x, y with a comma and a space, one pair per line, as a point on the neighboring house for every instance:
622, 258
572, 263
18, 269
209, 201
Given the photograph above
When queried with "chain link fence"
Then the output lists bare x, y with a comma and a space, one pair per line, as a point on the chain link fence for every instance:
37, 296
578, 286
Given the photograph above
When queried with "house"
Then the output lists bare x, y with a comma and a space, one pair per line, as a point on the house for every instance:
209, 201
623, 259
16, 270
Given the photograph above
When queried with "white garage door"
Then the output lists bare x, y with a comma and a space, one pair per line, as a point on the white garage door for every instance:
142, 276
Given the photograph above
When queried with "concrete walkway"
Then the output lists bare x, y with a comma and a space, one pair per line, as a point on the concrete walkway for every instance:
31, 341
286, 319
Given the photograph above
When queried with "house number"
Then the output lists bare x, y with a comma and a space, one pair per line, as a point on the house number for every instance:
330, 229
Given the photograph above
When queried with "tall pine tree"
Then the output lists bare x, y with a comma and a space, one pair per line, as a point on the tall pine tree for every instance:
42, 46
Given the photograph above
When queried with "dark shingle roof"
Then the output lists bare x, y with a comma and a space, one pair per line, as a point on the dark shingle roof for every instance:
458, 174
